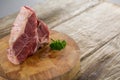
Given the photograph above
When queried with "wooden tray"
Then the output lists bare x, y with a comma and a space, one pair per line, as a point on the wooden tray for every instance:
45, 64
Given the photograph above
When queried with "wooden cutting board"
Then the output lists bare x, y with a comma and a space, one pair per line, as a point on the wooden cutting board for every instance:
45, 64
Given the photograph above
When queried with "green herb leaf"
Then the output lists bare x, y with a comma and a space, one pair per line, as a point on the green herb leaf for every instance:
57, 44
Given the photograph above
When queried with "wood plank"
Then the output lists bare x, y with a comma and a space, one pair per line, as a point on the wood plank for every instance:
93, 28
90, 36
52, 12
104, 64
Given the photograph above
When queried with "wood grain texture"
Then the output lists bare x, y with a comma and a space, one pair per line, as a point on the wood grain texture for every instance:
52, 12
104, 64
93, 28
45, 64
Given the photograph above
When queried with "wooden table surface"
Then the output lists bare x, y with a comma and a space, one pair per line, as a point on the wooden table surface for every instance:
93, 24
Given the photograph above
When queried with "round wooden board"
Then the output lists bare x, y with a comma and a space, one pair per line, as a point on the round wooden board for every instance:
45, 64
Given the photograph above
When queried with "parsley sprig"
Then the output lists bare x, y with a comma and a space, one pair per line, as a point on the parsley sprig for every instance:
57, 44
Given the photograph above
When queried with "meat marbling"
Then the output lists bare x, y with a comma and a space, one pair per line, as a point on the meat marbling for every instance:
27, 35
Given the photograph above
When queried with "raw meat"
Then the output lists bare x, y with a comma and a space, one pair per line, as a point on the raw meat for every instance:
27, 35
